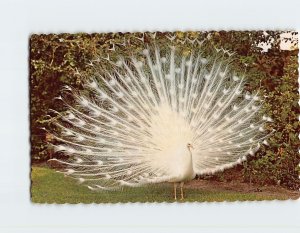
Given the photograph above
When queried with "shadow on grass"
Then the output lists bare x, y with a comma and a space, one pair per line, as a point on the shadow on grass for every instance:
49, 186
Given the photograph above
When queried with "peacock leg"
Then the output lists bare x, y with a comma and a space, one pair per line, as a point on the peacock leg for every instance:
181, 190
175, 187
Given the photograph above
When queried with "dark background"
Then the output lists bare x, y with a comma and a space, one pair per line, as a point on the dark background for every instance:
55, 59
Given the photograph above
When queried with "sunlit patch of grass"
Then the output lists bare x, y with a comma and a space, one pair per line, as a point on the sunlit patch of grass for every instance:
49, 186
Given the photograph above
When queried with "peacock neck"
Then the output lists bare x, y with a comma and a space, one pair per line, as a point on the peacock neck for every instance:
191, 157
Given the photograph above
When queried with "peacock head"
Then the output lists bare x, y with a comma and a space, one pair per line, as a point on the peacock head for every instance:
190, 146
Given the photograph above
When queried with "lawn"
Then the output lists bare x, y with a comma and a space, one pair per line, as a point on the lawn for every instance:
49, 186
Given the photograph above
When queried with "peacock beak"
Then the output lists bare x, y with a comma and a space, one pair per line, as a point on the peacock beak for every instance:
190, 146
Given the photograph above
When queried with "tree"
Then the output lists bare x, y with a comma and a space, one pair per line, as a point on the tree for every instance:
55, 61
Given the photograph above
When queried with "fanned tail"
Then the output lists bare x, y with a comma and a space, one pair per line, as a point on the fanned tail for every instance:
124, 127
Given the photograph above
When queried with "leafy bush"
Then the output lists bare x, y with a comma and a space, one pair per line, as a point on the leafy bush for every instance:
56, 59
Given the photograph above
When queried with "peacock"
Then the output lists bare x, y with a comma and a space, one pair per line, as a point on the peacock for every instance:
157, 117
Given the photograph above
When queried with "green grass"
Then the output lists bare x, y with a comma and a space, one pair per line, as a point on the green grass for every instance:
49, 186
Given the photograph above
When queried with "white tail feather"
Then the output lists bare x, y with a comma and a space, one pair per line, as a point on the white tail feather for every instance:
134, 125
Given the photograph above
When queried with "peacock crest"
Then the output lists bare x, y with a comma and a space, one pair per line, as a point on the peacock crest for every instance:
157, 117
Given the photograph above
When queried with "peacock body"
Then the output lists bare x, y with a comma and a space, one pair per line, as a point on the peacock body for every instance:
162, 118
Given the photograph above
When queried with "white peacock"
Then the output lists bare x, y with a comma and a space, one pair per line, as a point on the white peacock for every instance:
164, 118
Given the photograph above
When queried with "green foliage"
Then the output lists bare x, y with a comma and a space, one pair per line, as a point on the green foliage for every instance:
56, 59
278, 163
